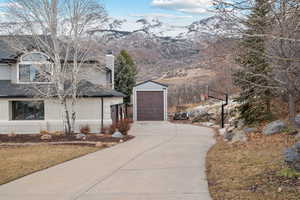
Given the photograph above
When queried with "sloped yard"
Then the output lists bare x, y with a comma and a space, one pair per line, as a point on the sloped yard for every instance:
251, 170
20, 161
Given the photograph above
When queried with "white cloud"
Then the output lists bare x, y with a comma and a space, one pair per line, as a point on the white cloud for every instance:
186, 6
162, 15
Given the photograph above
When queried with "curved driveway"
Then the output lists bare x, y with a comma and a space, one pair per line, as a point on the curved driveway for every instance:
164, 162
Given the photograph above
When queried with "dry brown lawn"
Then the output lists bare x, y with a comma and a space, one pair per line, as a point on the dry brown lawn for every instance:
250, 171
16, 162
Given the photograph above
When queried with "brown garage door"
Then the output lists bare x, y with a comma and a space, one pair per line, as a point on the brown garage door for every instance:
150, 106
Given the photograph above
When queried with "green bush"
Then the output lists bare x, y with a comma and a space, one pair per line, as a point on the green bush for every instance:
289, 173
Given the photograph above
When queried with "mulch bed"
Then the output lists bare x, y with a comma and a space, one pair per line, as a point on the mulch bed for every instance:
36, 138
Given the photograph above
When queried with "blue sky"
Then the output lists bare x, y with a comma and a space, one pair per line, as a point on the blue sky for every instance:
176, 11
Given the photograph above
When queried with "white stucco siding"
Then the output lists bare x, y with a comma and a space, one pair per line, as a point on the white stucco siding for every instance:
4, 110
88, 112
13, 74
94, 74
5, 72
86, 108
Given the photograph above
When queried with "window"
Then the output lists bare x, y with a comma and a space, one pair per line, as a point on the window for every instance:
35, 57
34, 73
34, 68
28, 110
108, 77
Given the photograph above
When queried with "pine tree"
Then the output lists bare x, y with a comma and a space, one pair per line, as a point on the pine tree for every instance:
254, 100
125, 74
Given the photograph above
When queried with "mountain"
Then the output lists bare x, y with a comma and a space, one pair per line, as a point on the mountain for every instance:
206, 27
186, 56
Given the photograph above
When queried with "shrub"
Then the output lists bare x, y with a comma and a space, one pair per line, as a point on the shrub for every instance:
112, 128
104, 130
289, 173
123, 126
44, 132
85, 129
12, 134
57, 133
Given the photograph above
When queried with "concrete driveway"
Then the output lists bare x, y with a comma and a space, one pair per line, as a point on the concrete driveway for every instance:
164, 162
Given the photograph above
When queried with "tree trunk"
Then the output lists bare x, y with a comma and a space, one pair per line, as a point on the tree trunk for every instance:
68, 126
268, 103
292, 108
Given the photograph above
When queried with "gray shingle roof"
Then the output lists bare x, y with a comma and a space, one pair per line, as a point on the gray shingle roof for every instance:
11, 46
85, 89
6, 52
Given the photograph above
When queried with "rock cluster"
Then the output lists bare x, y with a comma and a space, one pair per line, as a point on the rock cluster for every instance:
292, 156
46, 137
297, 121
181, 116
235, 135
80, 136
117, 134
274, 127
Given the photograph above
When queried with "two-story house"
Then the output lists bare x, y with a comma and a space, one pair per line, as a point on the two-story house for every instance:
23, 113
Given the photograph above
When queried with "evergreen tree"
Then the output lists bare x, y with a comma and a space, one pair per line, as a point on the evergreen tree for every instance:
254, 100
125, 74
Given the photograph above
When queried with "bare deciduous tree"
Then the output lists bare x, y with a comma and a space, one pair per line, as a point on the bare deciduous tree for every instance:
60, 29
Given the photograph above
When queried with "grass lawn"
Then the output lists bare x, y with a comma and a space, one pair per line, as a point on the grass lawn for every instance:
250, 171
16, 162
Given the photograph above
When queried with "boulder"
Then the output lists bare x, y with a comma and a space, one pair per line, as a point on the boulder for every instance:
228, 136
292, 132
207, 124
181, 116
222, 131
201, 118
297, 121
249, 130
199, 115
117, 134
230, 129
240, 124
239, 136
80, 136
292, 157
274, 127
46, 137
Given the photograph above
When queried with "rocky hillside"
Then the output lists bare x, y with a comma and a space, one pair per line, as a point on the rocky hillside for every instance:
188, 56
161, 49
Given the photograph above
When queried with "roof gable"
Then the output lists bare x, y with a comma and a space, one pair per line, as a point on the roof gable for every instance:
150, 85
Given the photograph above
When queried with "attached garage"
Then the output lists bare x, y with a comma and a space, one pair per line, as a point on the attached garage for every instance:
150, 101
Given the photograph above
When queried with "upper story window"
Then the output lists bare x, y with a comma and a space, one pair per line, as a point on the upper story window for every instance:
34, 68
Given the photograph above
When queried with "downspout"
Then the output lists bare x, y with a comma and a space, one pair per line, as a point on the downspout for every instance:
102, 114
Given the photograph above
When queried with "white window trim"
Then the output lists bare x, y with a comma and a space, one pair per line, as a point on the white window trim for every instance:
26, 100
32, 63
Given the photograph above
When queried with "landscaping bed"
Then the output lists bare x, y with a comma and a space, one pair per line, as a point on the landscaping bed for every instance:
36, 138
251, 170
19, 161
